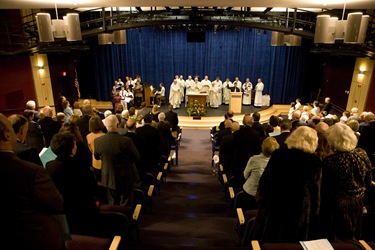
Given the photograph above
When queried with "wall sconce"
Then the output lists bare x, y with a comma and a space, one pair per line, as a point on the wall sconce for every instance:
361, 73
40, 67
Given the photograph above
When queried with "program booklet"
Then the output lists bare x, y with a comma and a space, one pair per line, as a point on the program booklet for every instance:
316, 245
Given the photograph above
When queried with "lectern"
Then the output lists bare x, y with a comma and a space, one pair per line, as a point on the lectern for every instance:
235, 101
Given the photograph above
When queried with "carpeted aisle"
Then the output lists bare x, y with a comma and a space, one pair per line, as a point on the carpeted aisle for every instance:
191, 211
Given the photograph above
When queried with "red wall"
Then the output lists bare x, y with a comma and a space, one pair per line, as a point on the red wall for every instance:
336, 78
370, 104
17, 85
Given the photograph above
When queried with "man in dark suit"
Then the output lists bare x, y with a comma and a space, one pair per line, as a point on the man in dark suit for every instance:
119, 156
172, 118
327, 106
153, 140
246, 144
219, 135
83, 122
20, 126
31, 105
257, 126
49, 126
226, 150
141, 145
367, 139
31, 200
285, 127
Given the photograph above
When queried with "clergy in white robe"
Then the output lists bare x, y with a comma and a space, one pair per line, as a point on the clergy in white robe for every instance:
219, 85
189, 83
247, 86
206, 84
213, 90
182, 83
226, 91
239, 83
196, 87
258, 93
174, 94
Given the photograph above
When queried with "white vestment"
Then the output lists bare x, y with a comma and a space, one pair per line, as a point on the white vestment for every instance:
174, 95
226, 91
258, 94
214, 101
219, 94
246, 97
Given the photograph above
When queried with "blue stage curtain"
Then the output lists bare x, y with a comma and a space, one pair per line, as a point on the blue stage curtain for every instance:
157, 56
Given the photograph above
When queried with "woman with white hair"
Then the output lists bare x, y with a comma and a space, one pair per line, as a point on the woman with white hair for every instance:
346, 175
288, 192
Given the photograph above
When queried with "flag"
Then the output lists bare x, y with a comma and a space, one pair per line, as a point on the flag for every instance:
76, 83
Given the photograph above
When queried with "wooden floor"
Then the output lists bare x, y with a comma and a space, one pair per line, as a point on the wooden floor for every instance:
206, 123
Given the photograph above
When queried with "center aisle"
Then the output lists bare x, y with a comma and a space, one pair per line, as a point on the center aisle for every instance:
191, 211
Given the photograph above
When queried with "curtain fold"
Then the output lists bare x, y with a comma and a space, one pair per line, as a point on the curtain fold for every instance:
157, 56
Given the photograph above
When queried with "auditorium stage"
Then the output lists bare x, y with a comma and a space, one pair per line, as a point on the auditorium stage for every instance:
215, 116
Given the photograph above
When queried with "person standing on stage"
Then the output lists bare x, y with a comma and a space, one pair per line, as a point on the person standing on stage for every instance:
213, 90
239, 83
226, 90
174, 94
258, 93
122, 94
247, 87
219, 85
182, 84
196, 87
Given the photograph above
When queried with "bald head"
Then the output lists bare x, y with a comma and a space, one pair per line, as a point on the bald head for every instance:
47, 111
227, 123
235, 127
248, 120
130, 125
321, 126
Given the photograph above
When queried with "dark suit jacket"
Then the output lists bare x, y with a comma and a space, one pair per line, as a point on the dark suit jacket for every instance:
142, 147
327, 107
83, 125
260, 128
246, 143
77, 185
289, 184
218, 136
26, 153
34, 136
166, 138
172, 118
281, 139
226, 154
118, 155
30, 201
154, 143
49, 128
367, 141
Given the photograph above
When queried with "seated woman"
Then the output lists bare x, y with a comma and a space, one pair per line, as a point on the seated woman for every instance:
288, 192
346, 175
77, 185
254, 170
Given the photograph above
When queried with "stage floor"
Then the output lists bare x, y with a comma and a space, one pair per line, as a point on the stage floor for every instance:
215, 116
211, 112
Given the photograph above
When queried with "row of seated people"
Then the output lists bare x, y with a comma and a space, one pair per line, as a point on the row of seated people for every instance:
304, 184
124, 164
